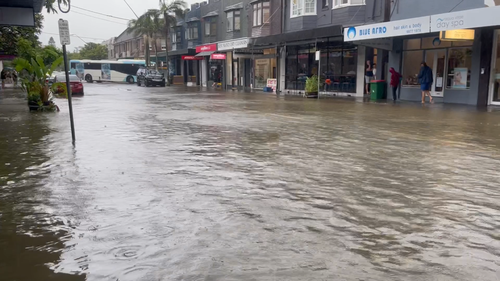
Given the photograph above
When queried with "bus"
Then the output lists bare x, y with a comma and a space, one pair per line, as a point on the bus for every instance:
107, 70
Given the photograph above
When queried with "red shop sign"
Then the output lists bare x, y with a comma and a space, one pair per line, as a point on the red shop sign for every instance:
206, 48
191, 58
218, 56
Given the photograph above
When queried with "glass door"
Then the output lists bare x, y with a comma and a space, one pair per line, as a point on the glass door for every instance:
436, 59
495, 70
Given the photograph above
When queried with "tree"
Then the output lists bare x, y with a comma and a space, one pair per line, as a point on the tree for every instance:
148, 25
171, 11
50, 4
94, 51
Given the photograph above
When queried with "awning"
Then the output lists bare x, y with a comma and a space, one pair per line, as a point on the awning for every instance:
204, 54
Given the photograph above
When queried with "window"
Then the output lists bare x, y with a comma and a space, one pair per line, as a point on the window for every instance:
192, 32
260, 13
411, 67
233, 20
207, 28
303, 8
459, 68
345, 3
325, 3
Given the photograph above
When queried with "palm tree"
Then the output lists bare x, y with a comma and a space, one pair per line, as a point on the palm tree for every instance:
171, 11
148, 25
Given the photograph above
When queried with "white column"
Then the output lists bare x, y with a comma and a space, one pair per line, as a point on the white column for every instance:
282, 63
360, 73
203, 73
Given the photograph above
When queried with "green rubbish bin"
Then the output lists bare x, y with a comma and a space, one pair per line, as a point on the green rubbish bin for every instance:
377, 90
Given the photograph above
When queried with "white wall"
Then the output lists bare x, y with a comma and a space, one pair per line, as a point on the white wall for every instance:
360, 73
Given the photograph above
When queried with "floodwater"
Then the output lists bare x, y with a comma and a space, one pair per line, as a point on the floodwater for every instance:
165, 184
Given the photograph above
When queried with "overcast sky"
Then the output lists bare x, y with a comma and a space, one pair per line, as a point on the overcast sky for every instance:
89, 25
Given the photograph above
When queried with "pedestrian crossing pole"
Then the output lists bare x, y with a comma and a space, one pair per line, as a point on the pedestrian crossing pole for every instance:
65, 40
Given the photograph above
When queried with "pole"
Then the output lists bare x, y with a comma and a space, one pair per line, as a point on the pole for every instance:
68, 87
319, 72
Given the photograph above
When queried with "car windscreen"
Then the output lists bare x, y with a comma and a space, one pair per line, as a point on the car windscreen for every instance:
72, 78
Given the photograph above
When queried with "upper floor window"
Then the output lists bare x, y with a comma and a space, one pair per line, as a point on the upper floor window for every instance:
176, 35
344, 3
303, 8
260, 13
233, 20
192, 32
211, 26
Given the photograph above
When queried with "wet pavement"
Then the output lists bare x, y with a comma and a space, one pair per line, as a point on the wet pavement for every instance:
165, 184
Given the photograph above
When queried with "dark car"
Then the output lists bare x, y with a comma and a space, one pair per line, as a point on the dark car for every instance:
149, 77
74, 82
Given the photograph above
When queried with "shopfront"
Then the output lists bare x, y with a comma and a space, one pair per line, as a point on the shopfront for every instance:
459, 47
264, 68
494, 88
337, 65
235, 72
190, 70
455, 75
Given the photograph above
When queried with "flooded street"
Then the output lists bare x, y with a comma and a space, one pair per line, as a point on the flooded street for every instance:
165, 184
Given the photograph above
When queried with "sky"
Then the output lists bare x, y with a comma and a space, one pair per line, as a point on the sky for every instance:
90, 26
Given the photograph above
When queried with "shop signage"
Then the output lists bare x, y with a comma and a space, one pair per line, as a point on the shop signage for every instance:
191, 58
233, 44
388, 29
271, 83
218, 56
472, 18
457, 35
206, 48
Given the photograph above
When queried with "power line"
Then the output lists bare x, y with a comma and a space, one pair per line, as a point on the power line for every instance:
99, 18
131, 8
74, 35
99, 13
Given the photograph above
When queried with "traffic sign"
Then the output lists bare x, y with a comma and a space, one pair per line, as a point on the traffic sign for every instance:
64, 32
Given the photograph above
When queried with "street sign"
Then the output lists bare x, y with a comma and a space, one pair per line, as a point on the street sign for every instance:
64, 32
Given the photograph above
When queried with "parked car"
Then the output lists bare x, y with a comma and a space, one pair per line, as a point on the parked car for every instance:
50, 80
149, 77
74, 82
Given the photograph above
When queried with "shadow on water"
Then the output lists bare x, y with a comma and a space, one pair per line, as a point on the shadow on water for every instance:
31, 236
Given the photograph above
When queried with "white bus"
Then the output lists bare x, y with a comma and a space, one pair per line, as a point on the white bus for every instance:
107, 70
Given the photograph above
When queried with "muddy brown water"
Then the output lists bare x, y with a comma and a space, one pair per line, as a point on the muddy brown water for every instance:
167, 184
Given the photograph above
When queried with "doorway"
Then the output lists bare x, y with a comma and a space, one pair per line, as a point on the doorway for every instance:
495, 71
436, 59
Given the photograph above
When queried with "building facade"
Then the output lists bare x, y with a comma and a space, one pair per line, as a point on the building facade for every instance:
460, 43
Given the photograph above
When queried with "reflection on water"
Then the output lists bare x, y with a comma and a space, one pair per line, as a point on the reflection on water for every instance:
207, 186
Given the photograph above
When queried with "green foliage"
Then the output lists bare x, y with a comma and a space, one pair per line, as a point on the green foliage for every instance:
312, 84
51, 5
33, 75
94, 51
11, 35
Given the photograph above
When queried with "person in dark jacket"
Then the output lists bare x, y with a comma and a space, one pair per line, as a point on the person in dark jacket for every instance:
395, 78
425, 79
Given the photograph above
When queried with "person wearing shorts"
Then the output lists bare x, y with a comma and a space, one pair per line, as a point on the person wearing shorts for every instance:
425, 79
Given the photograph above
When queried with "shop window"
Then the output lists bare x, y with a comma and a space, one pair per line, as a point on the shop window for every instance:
459, 68
303, 8
233, 20
345, 3
260, 13
411, 67
434, 43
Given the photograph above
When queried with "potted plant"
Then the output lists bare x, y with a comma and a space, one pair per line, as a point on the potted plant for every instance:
34, 80
312, 87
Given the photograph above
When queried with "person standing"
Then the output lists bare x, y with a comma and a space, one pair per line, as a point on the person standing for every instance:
395, 80
368, 76
425, 79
